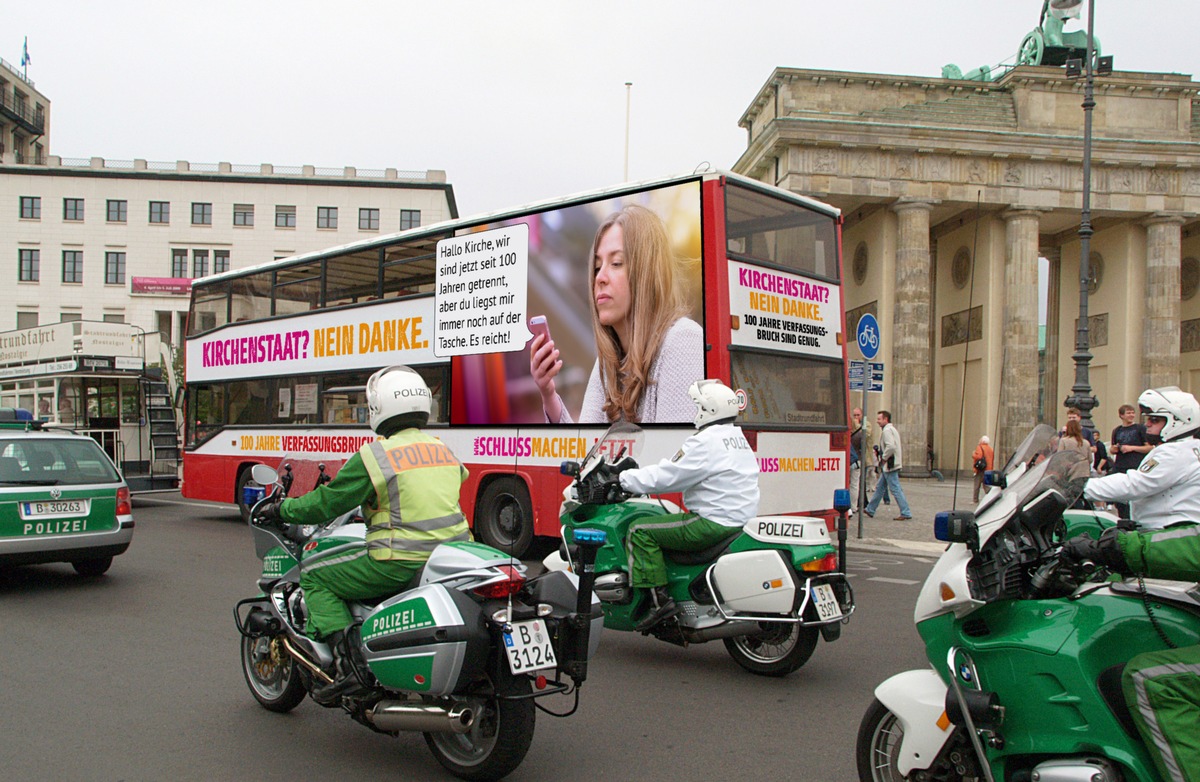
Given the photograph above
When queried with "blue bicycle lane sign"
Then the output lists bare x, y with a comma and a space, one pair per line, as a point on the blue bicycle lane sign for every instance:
868, 336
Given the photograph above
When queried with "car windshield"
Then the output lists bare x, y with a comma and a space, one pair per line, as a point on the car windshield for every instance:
54, 462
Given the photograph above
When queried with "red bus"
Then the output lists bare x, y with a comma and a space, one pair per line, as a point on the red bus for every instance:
278, 354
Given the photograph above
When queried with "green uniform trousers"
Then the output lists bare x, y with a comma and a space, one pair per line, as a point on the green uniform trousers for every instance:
677, 531
1163, 690
327, 587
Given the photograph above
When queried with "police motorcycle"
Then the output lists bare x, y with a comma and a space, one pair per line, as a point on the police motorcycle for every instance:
1026, 648
461, 656
768, 591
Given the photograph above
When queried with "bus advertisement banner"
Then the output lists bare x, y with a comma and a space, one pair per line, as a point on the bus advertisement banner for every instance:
780, 311
389, 332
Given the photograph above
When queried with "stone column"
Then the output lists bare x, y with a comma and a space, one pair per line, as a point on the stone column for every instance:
1050, 411
1019, 362
1160, 328
911, 355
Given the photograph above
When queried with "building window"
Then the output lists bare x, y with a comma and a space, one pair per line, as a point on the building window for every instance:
220, 261
243, 214
114, 268
31, 208
368, 219
410, 218
117, 211
201, 214
30, 260
110, 317
69, 317
27, 320
72, 266
326, 217
72, 208
160, 212
285, 217
179, 263
199, 263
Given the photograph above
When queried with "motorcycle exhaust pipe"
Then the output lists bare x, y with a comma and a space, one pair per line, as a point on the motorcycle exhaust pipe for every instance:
426, 718
727, 630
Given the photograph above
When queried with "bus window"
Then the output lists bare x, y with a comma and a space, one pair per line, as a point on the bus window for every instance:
249, 403
251, 297
350, 279
765, 228
206, 411
297, 288
789, 391
209, 310
131, 403
410, 267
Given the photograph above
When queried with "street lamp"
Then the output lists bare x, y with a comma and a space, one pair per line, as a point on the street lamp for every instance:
1081, 393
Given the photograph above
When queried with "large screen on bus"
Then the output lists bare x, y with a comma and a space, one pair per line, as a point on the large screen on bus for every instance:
582, 314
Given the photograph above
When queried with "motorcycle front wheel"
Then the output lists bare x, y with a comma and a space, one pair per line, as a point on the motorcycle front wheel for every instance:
271, 673
878, 745
778, 650
498, 739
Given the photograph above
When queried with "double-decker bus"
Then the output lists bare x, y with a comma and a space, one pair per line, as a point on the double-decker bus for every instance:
278, 354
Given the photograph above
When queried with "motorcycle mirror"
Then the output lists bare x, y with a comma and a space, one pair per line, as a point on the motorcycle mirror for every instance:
569, 468
957, 526
995, 478
264, 475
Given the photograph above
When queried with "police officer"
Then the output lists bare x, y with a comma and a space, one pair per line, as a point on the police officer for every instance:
1162, 688
717, 472
1165, 488
407, 483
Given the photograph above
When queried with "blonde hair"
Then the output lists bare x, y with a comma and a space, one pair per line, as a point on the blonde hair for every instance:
656, 302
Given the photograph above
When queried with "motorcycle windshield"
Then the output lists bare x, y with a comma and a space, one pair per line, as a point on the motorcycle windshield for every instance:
1038, 443
1064, 472
621, 440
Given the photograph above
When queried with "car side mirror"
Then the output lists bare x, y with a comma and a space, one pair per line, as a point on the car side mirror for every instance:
957, 526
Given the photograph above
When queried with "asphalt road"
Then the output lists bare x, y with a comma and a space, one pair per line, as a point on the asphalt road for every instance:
135, 676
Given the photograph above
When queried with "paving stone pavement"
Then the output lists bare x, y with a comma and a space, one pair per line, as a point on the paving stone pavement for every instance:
926, 496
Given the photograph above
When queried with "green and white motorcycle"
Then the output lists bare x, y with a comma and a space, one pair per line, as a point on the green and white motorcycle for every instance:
1026, 650
769, 590
460, 656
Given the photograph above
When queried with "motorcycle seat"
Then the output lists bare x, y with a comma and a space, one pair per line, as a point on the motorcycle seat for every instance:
371, 602
703, 555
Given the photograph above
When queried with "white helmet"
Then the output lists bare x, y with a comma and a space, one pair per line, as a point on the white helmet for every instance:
397, 391
1179, 408
715, 402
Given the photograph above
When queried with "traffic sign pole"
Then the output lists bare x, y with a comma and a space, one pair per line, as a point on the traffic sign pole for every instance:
868, 337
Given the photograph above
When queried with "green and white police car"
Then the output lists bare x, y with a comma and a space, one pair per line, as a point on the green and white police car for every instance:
61, 499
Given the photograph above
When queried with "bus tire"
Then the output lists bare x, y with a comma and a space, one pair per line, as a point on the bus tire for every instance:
242, 479
504, 516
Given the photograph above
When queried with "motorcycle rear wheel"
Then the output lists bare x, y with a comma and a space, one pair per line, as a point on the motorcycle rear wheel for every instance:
780, 649
497, 741
878, 745
272, 675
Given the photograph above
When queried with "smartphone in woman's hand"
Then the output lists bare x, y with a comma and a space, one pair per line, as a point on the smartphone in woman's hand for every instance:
538, 325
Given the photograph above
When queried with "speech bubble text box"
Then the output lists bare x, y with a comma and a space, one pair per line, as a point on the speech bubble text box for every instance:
481, 292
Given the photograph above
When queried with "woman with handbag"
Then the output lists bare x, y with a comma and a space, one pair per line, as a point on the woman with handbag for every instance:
983, 459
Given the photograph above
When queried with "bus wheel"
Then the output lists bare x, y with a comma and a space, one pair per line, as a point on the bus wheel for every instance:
504, 516
242, 479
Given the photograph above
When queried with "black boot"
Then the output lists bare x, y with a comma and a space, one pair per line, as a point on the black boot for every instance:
344, 678
661, 607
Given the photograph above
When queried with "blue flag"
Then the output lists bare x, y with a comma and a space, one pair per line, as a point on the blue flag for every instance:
25, 53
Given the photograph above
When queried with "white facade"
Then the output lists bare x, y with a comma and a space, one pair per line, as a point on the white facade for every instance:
24, 118
106, 248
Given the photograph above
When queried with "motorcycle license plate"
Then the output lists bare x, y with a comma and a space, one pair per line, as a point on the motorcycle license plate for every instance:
827, 604
528, 647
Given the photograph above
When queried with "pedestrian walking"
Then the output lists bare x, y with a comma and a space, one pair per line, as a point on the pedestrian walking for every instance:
983, 459
891, 456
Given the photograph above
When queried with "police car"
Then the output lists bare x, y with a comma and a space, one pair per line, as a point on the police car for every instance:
61, 498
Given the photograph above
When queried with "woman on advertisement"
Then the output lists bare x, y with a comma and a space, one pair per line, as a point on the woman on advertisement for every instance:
648, 352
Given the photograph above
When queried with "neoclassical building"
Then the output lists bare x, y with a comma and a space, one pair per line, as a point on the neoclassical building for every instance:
952, 190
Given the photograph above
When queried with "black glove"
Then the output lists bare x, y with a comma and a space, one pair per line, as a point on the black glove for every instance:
607, 472
613, 493
267, 514
1104, 552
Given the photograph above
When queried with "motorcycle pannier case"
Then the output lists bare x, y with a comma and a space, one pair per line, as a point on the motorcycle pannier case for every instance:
757, 582
430, 639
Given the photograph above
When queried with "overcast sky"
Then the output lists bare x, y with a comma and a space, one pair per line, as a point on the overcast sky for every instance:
516, 101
